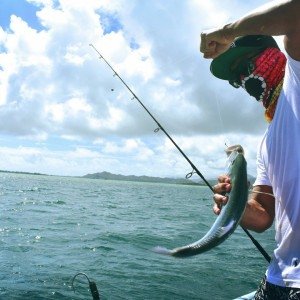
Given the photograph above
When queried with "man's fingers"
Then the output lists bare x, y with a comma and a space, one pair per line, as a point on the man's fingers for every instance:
203, 42
207, 47
222, 188
216, 209
220, 200
224, 178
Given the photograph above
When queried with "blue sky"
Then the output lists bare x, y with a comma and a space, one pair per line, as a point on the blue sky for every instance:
20, 8
62, 112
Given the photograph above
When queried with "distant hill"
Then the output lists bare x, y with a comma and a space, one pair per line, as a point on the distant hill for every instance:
21, 172
109, 176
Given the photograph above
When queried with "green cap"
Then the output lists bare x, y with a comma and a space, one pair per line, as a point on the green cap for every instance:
221, 65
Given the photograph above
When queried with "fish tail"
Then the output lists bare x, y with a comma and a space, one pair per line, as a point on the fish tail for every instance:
162, 250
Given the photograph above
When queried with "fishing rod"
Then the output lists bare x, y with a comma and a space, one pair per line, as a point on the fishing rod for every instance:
194, 168
160, 127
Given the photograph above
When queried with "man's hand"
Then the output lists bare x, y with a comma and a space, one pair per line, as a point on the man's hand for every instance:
216, 41
220, 190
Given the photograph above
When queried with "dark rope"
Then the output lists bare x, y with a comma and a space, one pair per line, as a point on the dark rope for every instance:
92, 285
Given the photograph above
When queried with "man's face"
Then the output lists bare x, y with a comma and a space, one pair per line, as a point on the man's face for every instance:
243, 67
259, 73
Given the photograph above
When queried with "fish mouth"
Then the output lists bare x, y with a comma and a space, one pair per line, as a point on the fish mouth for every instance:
235, 148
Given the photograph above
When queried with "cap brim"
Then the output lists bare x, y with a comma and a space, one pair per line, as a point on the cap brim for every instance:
221, 65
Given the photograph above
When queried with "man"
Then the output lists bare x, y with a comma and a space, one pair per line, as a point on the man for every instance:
245, 54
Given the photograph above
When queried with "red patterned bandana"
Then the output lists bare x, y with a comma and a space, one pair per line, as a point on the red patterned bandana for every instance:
264, 82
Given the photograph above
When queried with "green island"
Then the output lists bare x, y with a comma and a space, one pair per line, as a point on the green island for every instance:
110, 176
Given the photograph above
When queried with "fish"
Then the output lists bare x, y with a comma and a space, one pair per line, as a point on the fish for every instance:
231, 213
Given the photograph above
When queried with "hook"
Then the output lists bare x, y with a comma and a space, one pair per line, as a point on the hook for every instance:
157, 129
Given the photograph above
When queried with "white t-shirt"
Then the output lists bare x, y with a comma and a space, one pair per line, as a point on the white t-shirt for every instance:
278, 165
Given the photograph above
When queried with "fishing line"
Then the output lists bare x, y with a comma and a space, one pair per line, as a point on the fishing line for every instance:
257, 192
219, 113
222, 126
160, 127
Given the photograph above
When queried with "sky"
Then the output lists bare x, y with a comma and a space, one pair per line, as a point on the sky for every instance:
62, 112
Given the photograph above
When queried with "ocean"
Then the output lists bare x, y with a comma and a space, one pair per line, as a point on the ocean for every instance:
52, 228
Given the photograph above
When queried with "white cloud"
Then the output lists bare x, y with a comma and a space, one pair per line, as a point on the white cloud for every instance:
53, 85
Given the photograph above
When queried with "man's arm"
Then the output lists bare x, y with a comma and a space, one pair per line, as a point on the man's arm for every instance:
260, 209
278, 18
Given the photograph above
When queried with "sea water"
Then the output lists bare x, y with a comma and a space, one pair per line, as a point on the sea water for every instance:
52, 228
